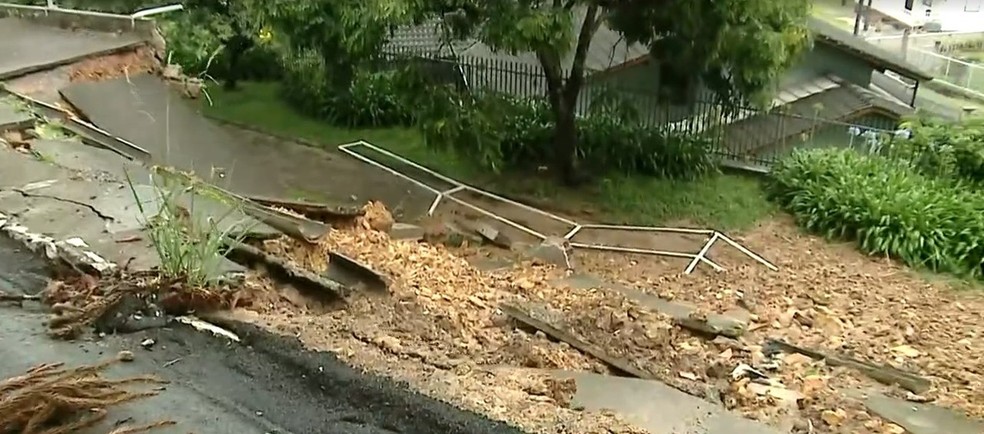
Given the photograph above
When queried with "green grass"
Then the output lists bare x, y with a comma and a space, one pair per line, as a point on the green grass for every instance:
724, 201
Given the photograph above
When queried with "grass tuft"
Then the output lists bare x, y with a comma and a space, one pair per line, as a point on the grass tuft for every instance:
190, 248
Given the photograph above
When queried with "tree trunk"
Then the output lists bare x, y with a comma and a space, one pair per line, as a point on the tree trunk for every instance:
565, 142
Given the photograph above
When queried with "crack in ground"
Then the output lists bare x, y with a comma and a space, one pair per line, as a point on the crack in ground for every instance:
62, 199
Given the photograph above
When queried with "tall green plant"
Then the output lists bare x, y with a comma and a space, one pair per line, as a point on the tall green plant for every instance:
191, 247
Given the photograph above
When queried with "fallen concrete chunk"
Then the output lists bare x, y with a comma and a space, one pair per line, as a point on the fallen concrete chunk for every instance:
11, 118
406, 231
492, 235
922, 418
656, 407
556, 251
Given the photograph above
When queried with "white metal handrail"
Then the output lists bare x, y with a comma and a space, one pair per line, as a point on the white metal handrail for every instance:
457, 186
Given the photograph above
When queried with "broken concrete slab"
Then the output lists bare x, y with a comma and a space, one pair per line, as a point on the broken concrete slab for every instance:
28, 46
149, 113
73, 154
19, 170
488, 232
554, 250
12, 118
919, 418
724, 325
406, 231
656, 407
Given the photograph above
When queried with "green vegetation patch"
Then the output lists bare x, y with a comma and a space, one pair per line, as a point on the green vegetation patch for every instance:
886, 207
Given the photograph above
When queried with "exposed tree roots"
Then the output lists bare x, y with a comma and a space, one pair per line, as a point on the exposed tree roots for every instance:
79, 301
50, 399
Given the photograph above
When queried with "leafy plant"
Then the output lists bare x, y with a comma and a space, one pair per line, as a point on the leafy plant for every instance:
945, 149
190, 247
502, 132
886, 207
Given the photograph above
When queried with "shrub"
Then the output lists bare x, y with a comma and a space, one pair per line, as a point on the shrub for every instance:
376, 97
503, 132
885, 207
946, 149
307, 83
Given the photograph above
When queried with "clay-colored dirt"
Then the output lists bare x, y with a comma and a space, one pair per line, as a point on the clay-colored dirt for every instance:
440, 330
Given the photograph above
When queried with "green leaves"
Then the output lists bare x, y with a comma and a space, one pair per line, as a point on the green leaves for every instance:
738, 48
945, 149
885, 207
501, 132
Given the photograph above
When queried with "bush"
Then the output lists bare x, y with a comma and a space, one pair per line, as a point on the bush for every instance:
375, 98
885, 207
945, 149
503, 132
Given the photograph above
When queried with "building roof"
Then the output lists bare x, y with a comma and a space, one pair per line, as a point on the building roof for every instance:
825, 100
427, 39
876, 56
607, 48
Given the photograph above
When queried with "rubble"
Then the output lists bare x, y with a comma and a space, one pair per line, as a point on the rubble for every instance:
555, 251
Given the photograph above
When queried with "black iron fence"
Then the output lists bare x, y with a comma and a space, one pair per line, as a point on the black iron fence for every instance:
751, 136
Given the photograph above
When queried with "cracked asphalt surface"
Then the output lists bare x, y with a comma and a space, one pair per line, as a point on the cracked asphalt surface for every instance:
265, 384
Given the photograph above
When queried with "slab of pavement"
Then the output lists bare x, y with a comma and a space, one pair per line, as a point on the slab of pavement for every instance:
27, 46
67, 190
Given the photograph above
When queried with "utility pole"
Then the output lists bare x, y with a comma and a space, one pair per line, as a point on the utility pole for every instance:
867, 15
857, 17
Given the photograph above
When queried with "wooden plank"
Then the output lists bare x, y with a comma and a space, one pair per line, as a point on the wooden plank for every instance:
617, 363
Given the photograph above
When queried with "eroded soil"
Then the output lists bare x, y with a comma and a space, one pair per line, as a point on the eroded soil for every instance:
442, 332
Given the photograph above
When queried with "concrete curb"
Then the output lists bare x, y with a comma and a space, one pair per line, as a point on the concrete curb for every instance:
72, 250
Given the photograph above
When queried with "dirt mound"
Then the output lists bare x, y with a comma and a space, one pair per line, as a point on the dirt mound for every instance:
50, 399
441, 320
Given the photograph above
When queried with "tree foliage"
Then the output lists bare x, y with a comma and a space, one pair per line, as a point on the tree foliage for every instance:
737, 48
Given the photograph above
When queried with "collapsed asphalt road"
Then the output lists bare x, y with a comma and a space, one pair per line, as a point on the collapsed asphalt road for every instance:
264, 384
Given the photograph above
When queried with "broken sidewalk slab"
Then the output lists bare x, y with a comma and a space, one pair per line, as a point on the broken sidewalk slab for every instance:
682, 314
656, 407
12, 118
205, 210
74, 155
353, 273
322, 287
406, 231
919, 418
488, 232
28, 46
311, 210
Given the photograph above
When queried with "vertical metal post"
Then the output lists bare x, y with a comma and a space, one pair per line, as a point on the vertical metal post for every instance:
914, 90
52, 5
867, 16
905, 42
857, 17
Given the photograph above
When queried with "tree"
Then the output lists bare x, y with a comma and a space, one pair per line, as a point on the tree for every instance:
736, 47
344, 33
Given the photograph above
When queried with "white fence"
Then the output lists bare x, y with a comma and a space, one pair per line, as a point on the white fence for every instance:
922, 52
